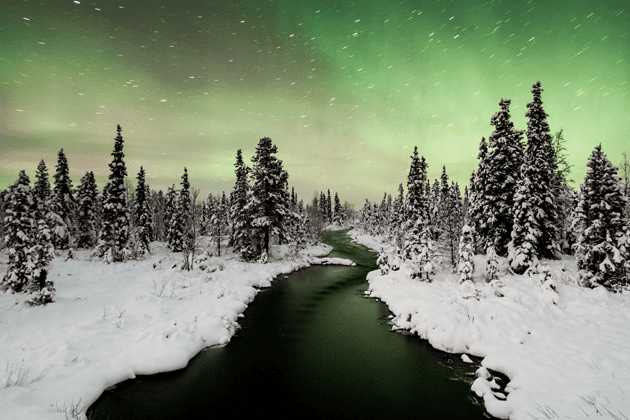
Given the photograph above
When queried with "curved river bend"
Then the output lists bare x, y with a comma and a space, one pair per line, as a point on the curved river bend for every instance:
309, 345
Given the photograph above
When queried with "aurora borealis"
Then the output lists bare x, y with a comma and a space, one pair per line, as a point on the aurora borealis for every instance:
345, 89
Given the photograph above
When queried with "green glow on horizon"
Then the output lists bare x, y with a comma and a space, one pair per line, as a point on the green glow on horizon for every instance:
344, 89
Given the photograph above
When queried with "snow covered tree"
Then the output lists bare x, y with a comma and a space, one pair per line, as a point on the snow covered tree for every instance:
41, 189
219, 221
62, 204
492, 264
20, 218
170, 203
180, 218
466, 266
114, 233
87, 197
416, 225
534, 228
479, 201
41, 289
241, 236
338, 218
142, 214
600, 250
329, 208
504, 164
451, 220
270, 207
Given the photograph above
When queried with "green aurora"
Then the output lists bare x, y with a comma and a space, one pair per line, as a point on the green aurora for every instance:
345, 89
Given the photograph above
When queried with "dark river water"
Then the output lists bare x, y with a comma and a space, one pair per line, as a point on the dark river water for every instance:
309, 345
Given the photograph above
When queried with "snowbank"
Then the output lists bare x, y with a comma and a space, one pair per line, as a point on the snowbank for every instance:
566, 353
112, 322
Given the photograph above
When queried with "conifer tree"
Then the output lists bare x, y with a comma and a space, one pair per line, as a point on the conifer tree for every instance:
62, 204
479, 200
466, 266
241, 237
329, 208
492, 264
270, 207
180, 218
219, 221
87, 197
41, 189
114, 233
504, 163
339, 216
20, 218
142, 214
534, 229
41, 289
601, 248
416, 226
170, 204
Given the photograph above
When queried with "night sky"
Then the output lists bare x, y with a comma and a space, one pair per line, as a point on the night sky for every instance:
345, 89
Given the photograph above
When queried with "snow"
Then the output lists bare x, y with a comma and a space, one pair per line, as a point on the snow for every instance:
111, 322
565, 348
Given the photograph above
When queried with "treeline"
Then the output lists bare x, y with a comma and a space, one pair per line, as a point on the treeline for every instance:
518, 205
119, 223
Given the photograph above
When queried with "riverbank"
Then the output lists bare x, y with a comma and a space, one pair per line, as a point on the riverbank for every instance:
112, 322
565, 351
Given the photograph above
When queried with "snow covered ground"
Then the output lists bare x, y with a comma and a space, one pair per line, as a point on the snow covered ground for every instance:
568, 359
112, 322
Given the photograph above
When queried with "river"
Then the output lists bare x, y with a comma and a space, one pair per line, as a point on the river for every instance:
312, 344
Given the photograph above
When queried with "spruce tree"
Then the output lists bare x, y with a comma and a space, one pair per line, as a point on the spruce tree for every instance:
416, 223
142, 214
170, 204
534, 229
479, 200
601, 248
180, 219
41, 289
241, 236
219, 221
466, 266
114, 233
62, 204
504, 163
41, 189
270, 207
20, 219
339, 216
329, 208
87, 197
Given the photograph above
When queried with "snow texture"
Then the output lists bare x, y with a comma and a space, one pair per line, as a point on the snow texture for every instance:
112, 322
563, 347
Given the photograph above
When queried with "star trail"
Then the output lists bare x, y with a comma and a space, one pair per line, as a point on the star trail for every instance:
345, 89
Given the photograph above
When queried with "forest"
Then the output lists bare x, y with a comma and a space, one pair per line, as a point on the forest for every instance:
518, 205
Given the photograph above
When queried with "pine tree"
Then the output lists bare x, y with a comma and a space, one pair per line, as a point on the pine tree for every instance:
180, 218
41, 189
601, 251
338, 214
41, 289
466, 266
219, 221
492, 264
62, 204
142, 214
241, 237
534, 229
114, 233
87, 197
416, 225
479, 201
329, 208
170, 204
20, 211
270, 207
504, 163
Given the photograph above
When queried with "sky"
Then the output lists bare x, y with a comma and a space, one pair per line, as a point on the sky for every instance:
345, 89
